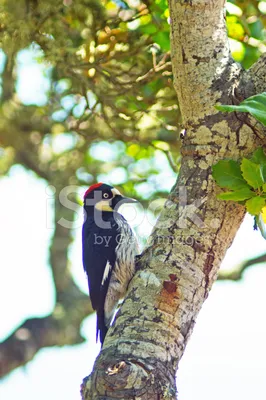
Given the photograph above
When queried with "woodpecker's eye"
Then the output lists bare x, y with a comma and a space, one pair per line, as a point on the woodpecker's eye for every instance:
106, 195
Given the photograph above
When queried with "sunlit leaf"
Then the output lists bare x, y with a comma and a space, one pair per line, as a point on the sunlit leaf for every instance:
255, 205
227, 174
263, 214
259, 157
255, 105
235, 28
252, 173
237, 195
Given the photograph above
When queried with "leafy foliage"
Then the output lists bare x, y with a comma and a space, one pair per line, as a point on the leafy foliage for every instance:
110, 82
228, 173
109, 70
237, 195
247, 183
246, 29
255, 105
252, 173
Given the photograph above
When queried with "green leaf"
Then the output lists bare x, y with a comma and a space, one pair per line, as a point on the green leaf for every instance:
259, 157
255, 205
255, 105
264, 188
227, 174
252, 173
237, 195
263, 171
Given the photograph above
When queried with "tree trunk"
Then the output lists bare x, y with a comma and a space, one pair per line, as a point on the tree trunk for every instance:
143, 348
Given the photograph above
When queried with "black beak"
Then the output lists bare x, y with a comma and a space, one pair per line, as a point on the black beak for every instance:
118, 200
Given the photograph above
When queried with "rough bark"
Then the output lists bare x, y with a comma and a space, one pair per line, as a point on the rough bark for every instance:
258, 74
142, 350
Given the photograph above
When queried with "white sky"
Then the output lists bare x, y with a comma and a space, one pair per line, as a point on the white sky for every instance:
226, 356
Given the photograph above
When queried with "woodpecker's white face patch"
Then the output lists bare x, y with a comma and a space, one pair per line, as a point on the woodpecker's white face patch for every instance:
107, 269
116, 192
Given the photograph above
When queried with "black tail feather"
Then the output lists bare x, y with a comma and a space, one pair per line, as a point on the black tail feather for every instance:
101, 329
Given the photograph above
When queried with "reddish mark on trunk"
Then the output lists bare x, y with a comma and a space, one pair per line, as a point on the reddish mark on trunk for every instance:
173, 277
170, 294
170, 286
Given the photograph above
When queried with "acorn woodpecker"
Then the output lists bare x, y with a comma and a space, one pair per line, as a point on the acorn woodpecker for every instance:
109, 248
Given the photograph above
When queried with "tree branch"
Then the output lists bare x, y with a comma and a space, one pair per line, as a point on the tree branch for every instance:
238, 272
58, 329
8, 85
257, 73
23, 157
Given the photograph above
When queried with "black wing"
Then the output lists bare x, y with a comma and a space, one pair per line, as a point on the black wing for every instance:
99, 259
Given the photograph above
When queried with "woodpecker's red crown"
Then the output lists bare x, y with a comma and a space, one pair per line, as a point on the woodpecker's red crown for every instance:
92, 187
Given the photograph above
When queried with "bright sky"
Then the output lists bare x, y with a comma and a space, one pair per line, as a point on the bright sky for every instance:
225, 358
